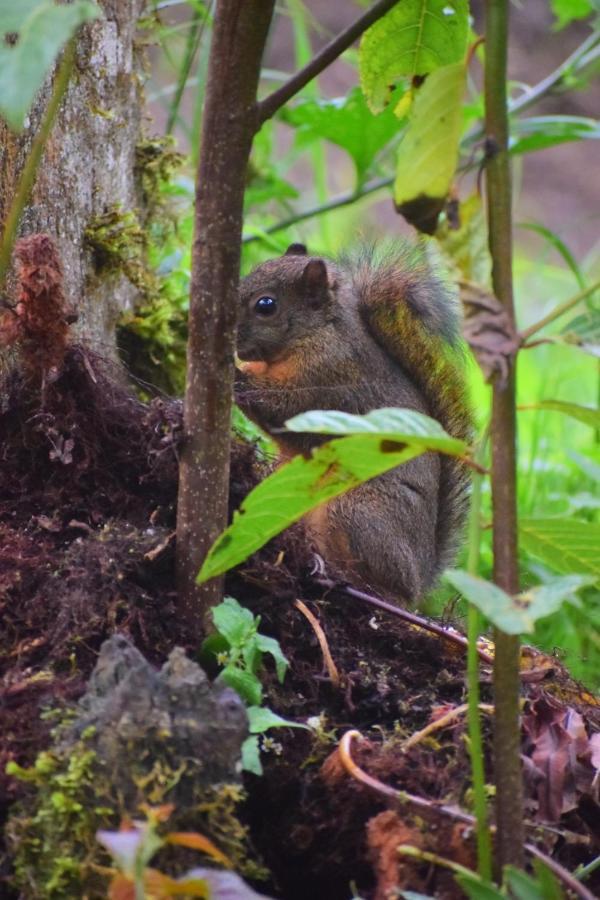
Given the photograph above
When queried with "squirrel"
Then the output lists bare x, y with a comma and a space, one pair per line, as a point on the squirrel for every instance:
378, 329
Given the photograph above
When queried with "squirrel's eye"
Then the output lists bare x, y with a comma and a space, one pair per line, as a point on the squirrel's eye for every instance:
265, 306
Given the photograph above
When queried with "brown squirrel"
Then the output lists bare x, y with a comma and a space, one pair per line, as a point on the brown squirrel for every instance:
358, 334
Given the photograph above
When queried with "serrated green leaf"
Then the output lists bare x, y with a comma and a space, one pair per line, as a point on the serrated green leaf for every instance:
24, 65
270, 645
233, 621
406, 425
564, 545
516, 615
347, 122
243, 683
539, 132
414, 38
585, 414
428, 151
251, 755
261, 719
296, 488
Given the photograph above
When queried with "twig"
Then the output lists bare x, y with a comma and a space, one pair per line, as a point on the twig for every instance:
26, 181
344, 199
507, 738
428, 808
558, 311
439, 724
453, 636
269, 106
521, 103
334, 675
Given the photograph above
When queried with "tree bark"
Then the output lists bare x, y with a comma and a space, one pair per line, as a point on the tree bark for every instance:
88, 166
229, 123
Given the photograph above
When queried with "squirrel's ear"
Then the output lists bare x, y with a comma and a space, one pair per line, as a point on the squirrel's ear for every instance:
296, 250
315, 282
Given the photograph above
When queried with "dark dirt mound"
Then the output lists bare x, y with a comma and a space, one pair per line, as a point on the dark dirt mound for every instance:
87, 511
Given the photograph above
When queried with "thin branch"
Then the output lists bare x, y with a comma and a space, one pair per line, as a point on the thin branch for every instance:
453, 637
507, 736
269, 106
523, 102
26, 182
559, 311
439, 724
335, 203
428, 808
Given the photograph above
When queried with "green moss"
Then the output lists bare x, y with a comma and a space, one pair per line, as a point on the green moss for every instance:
119, 244
52, 832
71, 794
156, 162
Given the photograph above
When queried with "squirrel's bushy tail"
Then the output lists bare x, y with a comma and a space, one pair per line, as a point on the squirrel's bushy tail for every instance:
410, 311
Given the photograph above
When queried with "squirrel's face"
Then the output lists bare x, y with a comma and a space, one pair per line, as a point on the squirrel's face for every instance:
283, 302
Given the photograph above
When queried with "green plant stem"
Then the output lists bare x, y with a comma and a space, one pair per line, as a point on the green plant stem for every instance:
583, 872
507, 762
559, 311
194, 36
484, 841
27, 179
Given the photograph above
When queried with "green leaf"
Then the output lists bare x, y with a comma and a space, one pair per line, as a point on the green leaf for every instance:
25, 64
261, 719
586, 465
550, 887
243, 683
476, 889
251, 755
394, 424
13, 15
559, 245
539, 132
270, 645
428, 151
585, 414
522, 886
584, 332
516, 615
544, 599
347, 122
414, 38
296, 488
564, 545
233, 621
568, 10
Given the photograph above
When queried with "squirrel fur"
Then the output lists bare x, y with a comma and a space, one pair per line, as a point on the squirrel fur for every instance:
363, 332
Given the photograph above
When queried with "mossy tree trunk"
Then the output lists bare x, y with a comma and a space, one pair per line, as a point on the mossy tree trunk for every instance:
88, 169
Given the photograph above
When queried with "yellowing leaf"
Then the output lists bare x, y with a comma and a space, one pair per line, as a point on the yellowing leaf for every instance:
196, 841
414, 38
428, 152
